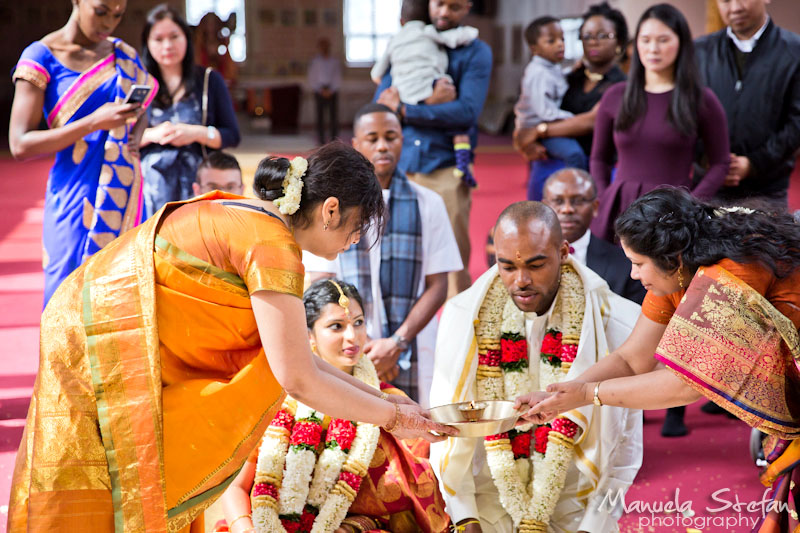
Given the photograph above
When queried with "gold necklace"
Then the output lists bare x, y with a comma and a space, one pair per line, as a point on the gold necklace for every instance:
593, 76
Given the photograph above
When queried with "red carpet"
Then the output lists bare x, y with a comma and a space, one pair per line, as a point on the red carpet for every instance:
713, 457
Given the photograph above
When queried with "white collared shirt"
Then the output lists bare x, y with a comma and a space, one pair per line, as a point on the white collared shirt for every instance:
746, 46
580, 247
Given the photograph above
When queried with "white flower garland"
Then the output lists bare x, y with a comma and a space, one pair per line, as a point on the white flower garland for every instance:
290, 471
289, 203
529, 489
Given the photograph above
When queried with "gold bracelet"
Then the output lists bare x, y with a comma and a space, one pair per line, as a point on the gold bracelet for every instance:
230, 526
393, 424
458, 528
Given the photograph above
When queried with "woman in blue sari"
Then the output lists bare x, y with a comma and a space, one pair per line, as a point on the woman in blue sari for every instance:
77, 78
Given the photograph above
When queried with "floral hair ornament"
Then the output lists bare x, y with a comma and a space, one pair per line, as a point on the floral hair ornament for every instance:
344, 301
289, 203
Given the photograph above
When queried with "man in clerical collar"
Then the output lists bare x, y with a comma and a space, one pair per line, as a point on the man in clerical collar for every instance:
537, 317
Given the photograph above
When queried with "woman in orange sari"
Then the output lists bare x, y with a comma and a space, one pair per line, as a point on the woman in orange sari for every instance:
166, 355
398, 491
721, 316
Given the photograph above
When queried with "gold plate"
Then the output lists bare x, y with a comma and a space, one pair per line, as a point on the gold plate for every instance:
499, 417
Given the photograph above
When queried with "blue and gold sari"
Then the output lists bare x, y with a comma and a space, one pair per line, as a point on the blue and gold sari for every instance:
94, 188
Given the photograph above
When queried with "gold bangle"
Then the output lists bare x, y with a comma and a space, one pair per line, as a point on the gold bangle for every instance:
458, 528
596, 399
393, 424
230, 526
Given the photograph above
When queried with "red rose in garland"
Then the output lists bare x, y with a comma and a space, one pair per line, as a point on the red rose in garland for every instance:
521, 444
540, 437
340, 433
551, 347
307, 434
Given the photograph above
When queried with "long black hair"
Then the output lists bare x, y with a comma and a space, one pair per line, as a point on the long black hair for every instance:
614, 16
334, 170
686, 96
321, 293
157, 14
669, 224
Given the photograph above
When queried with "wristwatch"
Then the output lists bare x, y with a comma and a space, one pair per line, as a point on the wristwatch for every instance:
541, 129
211, 133
596, 399
401, 341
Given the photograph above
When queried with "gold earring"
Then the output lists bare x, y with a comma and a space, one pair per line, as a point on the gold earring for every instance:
619, 50
680, 278
325, 227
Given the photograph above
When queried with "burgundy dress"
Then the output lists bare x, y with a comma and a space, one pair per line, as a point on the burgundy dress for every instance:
652, 153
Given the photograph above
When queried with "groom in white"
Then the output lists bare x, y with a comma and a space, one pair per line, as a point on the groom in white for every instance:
536, 317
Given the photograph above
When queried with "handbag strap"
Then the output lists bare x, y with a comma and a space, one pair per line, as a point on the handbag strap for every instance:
205, 96
204, 106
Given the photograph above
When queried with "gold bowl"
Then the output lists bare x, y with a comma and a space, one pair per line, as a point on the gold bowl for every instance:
497, 417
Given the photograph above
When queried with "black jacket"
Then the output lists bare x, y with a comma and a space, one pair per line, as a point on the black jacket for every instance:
762, 104
610, 263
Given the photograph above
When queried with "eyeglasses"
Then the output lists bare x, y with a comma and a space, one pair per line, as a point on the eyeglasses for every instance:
576, 202
597, 37
228, 187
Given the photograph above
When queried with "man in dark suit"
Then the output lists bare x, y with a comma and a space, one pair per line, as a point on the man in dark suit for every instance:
571, 193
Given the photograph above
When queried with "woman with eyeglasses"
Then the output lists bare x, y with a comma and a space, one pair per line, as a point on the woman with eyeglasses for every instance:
604, 34
650, 125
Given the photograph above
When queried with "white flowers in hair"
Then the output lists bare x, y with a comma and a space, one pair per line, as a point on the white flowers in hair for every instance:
721, 211
289, 203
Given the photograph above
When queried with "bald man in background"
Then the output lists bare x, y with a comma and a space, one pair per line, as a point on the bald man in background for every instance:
533, 268
572, 194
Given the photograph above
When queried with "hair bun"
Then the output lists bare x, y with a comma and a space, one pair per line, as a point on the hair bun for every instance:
268, 181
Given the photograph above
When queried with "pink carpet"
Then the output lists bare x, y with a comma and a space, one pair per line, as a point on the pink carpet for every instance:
714, 457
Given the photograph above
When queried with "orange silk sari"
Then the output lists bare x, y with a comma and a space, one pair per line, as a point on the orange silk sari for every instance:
153, 387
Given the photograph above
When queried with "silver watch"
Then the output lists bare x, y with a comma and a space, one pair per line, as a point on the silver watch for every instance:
401, 341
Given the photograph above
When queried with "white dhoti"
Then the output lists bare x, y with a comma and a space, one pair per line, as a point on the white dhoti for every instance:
608, 452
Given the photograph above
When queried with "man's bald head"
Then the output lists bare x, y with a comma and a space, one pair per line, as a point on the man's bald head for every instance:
530, 250
520, 215
576, 176
572, 194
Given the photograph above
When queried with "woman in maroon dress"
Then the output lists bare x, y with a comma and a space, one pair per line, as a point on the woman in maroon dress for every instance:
654, 121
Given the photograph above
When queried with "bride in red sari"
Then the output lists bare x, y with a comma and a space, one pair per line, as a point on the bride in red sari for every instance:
314, 473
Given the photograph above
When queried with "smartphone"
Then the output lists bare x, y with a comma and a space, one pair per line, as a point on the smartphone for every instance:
137, 95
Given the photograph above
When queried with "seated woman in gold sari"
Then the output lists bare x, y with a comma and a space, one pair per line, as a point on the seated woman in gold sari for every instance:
166, 355
721, 316
294, 481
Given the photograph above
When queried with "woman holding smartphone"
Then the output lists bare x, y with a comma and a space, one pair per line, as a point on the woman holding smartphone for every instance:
192, 111
77, 79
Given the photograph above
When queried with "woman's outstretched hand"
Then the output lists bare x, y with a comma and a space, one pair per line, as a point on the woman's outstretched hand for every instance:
413, 422
559, 398
401, 399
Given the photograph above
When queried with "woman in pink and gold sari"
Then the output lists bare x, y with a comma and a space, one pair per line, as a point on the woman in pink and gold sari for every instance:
77, 77
721, 315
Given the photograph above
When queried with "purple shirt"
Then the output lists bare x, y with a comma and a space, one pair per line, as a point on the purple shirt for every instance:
652, 153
